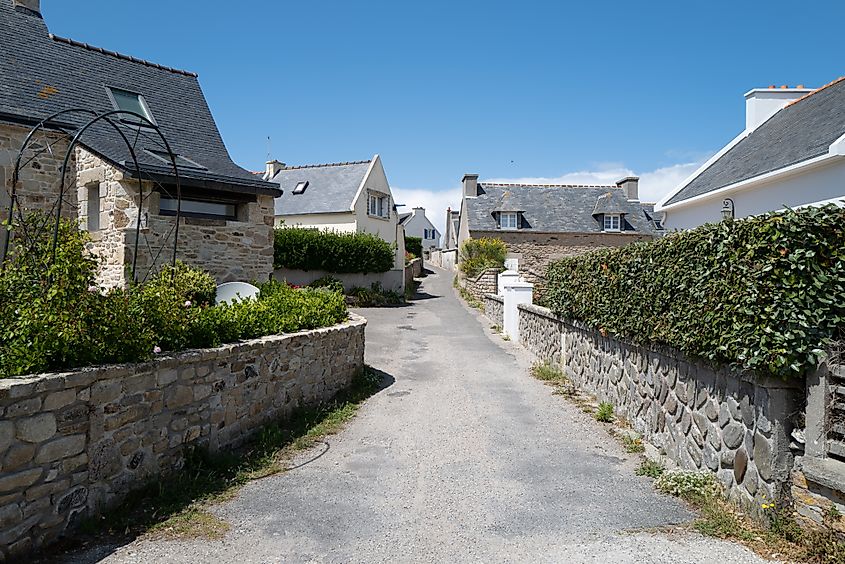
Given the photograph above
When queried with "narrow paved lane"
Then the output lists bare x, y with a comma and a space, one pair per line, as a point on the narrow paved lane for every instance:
464, 458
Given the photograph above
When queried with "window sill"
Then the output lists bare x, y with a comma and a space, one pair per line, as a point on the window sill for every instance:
381, 217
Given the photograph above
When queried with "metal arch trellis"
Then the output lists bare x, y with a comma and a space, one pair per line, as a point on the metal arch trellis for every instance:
142, 121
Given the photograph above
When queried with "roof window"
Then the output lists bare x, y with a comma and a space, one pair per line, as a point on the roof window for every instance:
130, 102
300, 187
181, 161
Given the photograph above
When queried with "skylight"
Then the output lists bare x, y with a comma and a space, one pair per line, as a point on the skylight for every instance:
300, 187
130, 102
181, 161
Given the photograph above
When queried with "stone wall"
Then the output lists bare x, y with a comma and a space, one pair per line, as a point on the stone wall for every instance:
413, 270
393, 280
735, 425
74, 444
494, 309
540, 332
536, 251
485, 283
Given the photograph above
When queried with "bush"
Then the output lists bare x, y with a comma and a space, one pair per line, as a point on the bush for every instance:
55, 317
413, 245
374, 296
764, 293
308, 249
477, 255
329, 282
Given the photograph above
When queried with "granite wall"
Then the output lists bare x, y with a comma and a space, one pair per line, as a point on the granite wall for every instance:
494, 309
478, 286
76, 443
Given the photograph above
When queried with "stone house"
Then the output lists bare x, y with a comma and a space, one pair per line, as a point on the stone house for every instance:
541, 223
416, 224
790, 154
346, 197
227, 213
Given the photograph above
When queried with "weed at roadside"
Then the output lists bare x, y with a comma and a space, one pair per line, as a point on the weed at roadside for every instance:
650, 468
632, 444
604, 413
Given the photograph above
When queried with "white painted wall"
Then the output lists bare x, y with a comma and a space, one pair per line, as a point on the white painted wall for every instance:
763, 103
803, 187
416, 225
344, 222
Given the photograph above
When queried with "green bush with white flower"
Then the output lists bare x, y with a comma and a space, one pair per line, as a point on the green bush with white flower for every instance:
56, 317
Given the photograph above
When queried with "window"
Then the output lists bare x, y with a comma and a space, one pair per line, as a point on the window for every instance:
507, 220
93, 207
378, 206
181, 161
130, 102
612, 222
300, 187
199, 208
428, 233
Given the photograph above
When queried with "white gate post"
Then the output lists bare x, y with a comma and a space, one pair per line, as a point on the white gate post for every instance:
515, 293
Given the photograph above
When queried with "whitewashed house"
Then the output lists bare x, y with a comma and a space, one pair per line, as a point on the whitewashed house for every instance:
790, 154
416, 224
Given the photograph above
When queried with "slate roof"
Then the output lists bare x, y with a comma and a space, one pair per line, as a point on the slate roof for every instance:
331, 187
556, 208
41, 74
801, 131
403, 217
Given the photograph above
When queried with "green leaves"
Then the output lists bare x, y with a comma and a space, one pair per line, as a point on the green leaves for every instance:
477, 255
308, 249
764, 293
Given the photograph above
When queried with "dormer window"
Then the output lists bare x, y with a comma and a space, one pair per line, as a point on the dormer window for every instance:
612, 222
130, 102
300, 187
508, 220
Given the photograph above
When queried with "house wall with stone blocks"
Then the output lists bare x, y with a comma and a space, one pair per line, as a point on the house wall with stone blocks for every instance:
736, 425
74, 444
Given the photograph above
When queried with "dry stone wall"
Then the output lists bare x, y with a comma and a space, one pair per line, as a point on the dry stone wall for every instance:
736, 425
74, 444
485, 283
494, 309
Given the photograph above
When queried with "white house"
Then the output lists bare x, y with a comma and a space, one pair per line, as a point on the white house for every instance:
791, 154
346, 197
416, 224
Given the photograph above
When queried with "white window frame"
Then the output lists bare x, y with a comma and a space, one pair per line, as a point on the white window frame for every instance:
93, 211
378, 205
613, 222
508, 220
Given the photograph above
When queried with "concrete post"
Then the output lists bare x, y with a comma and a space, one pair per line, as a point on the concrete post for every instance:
515, 293
504, 279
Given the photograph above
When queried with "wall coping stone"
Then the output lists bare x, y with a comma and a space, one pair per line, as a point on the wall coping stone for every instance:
485, 272
824, 471
495, 298
26, 385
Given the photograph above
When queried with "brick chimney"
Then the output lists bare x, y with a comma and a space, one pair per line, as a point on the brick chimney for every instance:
273, 167
631, 186
470, 183
763, 103
32, 5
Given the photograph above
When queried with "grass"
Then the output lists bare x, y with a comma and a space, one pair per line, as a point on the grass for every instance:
632, 444
177, 506
469, 298
650, 468
552, 374
605, 412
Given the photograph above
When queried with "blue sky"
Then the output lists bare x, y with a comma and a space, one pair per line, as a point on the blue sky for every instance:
550, 90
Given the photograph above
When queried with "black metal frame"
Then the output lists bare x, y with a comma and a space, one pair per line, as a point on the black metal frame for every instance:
80, 131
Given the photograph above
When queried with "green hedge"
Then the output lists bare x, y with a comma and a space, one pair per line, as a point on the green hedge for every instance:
57, 318
413, 245
309, 249
477, 255
764, 293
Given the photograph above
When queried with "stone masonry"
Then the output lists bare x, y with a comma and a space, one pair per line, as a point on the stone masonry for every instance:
485, 283
494, 309
736, 425
76, 443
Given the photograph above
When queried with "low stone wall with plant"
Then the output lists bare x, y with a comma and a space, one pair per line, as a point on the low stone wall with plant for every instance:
735, 425
75, 443
494, 309
485, 283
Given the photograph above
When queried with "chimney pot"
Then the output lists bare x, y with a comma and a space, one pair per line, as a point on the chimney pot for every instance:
630, 186
470, 184
273, 167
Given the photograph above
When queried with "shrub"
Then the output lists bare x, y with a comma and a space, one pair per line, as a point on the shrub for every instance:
308, 249
605, 412
764, 293
191, 284
374, 296
477, 255
329, 282
413, 245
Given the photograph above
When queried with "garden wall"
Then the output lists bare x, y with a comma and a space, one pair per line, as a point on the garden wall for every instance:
494, 309
74, 444
485, 283
391, 280
734, 425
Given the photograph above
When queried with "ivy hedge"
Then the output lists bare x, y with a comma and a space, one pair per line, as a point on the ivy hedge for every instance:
764, 293
308, 249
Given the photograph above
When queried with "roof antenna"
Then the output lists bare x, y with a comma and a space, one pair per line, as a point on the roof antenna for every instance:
269, 148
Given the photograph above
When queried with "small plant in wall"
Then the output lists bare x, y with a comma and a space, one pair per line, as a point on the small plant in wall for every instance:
604, 413
650, 468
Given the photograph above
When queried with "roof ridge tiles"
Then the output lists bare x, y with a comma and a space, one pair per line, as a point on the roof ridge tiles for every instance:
507, 184
295, 167
816, 91
117, 55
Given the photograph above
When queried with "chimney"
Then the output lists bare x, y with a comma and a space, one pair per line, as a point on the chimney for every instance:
32, 5
631, 186
470, 182
273, 167
763, 103
419, 209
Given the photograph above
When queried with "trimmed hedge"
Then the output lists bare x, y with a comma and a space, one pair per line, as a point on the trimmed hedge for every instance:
477, 255
308, 249
413, 245
764, 293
